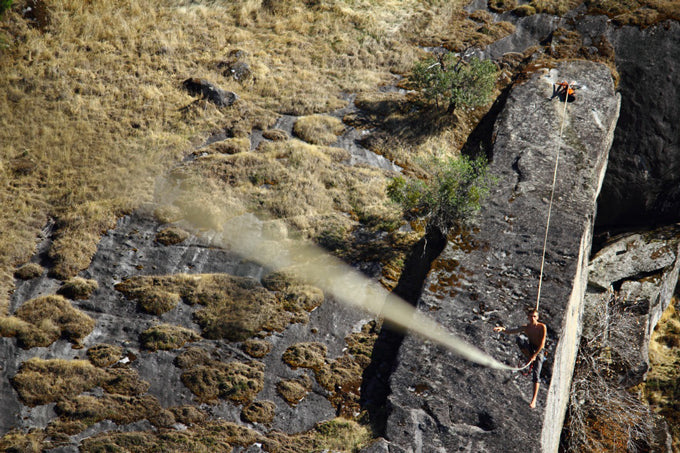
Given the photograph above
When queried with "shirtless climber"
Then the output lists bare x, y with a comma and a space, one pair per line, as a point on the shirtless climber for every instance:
565, 90
531, 348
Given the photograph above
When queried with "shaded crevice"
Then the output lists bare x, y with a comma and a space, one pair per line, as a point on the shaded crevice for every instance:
376, 379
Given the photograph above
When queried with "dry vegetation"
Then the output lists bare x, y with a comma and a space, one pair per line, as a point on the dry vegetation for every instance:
42, 321
92, 111
662, 388
233, 308
210, 379
166, 337
101, 85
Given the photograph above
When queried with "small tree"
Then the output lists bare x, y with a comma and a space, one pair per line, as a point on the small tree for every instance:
450, 198
447, 78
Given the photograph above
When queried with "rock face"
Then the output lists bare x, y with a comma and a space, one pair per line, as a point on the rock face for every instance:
643, 270
440, 403
133, 249
643, 176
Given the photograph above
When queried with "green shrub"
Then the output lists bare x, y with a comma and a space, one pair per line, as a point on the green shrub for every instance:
450, 79
5, 5
451, 197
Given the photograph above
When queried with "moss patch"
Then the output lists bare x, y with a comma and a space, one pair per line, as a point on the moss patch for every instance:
294, 390
341, 377
215, 436
120, 409
166, 337
123, 380
42, 321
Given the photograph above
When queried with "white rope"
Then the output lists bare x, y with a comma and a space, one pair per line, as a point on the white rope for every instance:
552, 194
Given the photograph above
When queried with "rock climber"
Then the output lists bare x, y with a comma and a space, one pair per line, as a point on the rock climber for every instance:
531, 347
565, 90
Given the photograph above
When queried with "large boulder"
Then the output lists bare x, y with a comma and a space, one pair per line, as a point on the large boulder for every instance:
440, 403
641, 272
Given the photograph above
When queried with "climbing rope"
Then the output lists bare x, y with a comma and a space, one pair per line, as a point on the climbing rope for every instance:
552, 194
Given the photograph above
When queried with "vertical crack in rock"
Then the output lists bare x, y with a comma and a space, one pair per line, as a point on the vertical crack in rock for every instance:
376, 386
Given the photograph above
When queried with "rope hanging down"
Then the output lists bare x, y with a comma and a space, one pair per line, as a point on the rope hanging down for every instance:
552, 193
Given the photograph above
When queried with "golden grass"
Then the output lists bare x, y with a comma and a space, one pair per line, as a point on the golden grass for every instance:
318, 129
166, 337
294, 390
662, 387
44, 381
101, 85
78, 288
258, 412
236, 381
44, 320
104, 355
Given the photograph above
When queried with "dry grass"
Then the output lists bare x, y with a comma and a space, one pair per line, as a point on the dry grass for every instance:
104, 355
101, 85
42, 321
78, 288
642, 13
662, 388
166, 337
24, 442
259, 412
44, 381
171, 236
318, 129
29, 271
210, 379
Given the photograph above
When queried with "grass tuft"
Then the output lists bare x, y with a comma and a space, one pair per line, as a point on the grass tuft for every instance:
45, 381
29, 271
318, 129
78, 288
42, 321
258, 412
166, 337
171, 236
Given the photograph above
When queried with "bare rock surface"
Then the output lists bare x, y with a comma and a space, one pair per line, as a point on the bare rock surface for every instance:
441, 403
642, 185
